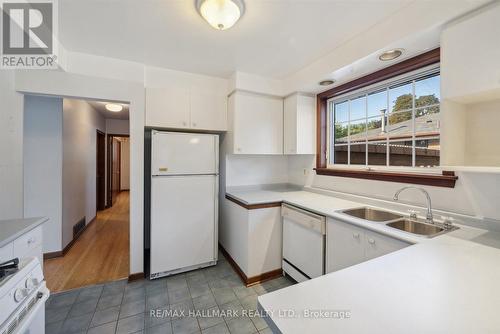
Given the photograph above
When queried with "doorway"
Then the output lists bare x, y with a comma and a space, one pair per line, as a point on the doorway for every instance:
65, 143
118, 168
100, 170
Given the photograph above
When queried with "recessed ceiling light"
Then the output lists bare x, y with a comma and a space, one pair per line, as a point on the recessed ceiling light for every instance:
221, 14
326, 82
114, 107
390, 54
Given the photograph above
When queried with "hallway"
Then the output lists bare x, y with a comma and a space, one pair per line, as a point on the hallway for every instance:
101, 254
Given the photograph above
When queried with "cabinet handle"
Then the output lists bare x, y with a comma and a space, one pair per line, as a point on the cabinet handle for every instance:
238, 149
355, 235
194, 124
371, 241
184, 123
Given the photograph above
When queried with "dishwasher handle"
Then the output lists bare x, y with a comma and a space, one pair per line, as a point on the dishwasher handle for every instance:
305, 218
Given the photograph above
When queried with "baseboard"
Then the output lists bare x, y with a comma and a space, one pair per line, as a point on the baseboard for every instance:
52, 255
135, 277
264, 277
249, 281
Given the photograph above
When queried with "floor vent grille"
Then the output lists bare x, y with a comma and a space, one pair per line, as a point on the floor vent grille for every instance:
78, 227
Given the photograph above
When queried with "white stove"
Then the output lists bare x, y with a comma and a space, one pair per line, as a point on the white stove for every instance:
22, 299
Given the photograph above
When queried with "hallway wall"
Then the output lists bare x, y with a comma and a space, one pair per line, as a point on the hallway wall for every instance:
80, 122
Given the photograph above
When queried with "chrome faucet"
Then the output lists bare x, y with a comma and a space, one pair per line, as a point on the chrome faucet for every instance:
429, 218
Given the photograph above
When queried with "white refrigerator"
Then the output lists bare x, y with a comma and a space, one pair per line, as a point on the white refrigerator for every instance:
184, 202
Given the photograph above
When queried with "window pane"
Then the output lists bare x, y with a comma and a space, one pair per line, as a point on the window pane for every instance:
401, 153
427, 152
400, 125
358, 130
401, 97
377, 102
377, 153
340, 154
341, 112
374, 126
358, 154
427, 91
427, 121
358, 108
341, 133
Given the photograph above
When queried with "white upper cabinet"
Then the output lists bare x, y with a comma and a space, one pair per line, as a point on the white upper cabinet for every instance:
208, 111
182, 108
167, 108
470, 58
299, 125
256, 123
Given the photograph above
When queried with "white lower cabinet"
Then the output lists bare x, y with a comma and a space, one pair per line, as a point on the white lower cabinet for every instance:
27, 245
347, 245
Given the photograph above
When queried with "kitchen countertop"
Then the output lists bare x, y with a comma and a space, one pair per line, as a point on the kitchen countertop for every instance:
13, 228
445, 284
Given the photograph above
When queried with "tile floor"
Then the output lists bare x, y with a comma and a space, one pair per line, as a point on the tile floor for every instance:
210, 300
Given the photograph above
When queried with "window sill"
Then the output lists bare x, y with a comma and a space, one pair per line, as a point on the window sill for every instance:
446, 179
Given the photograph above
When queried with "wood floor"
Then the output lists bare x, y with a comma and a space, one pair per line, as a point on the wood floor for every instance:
101, 254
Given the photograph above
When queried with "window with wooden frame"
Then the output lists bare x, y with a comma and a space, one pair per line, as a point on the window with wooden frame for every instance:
385, 125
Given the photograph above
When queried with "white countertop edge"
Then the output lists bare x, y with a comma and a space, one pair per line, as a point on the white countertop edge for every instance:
24, 225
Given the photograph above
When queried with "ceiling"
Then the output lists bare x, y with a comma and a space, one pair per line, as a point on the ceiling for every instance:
273, 38
100, 107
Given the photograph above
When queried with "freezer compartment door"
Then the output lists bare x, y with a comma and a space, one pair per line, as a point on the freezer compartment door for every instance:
184, 153
183, 221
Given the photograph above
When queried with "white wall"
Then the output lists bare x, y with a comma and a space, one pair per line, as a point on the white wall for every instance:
43, 165
244, 170
11, 148
117, 126
80, 122
125, 164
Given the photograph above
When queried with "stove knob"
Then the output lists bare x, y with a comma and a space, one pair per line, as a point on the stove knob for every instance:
20, 294
31, 282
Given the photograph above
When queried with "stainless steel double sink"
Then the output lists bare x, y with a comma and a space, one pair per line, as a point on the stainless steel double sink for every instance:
398, 221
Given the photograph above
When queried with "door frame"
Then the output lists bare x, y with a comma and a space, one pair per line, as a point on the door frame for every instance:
100, 188
109, 169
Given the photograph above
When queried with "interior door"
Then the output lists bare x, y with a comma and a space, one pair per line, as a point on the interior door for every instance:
184, 153
183, 221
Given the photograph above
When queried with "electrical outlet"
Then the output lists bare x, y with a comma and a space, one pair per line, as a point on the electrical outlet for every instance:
306, 171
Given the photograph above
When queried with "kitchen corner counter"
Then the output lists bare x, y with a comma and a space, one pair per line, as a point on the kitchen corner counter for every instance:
445, 285
12, 229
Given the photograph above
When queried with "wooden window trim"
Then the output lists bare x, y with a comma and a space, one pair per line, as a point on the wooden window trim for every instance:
446, 179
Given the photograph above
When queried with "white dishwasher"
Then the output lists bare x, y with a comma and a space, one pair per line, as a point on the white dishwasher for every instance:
303, 243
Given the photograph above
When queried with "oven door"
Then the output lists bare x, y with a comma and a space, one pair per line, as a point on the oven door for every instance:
30, 317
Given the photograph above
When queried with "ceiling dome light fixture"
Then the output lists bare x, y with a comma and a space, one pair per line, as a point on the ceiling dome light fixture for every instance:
113, 107
326, 82
221, 14
390, 54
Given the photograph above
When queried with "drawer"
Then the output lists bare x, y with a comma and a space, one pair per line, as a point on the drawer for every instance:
28, 242
305, 218
6, 252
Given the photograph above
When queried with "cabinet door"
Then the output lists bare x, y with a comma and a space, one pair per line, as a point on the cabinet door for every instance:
290, 125
344, 245
167, 107
305, 125
377, 245
258, 124
208, 111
